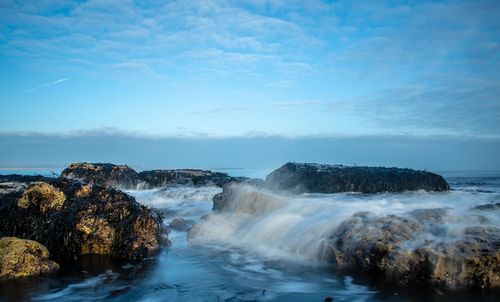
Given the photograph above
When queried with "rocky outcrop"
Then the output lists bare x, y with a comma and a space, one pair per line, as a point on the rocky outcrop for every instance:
318, 178
72, 219
193, 177
24, 258
124, 177
107, 175
388, 247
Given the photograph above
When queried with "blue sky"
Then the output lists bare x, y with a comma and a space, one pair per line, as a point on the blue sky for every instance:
251, 68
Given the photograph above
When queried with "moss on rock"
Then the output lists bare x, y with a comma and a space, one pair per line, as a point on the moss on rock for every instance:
23, 258
42, 197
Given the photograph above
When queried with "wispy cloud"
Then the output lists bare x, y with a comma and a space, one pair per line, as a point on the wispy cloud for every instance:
44, 86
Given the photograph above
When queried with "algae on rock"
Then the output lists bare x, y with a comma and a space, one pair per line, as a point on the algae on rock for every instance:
23, 258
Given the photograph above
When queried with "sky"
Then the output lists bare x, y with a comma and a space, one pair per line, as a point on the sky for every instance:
325, 70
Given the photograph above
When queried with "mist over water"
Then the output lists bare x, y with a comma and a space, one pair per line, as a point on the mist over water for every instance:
294, 227
266, 247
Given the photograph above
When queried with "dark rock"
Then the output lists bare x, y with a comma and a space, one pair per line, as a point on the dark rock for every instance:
24, 258
318, 178
107, 175
193, 177
120, 291
72, 219
180, 224
488, 207
124, 177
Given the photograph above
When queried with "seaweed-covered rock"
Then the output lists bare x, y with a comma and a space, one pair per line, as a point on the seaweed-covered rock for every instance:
388, 247
72, 219
23, 258
193, 177
318, 178
42, 197
107, 175
124, 177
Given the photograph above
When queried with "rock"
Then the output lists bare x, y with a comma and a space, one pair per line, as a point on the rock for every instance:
124, 177
244, 198
72, 219
23, 258
192, 177
488, 207
318, 178
107, 175
42, 197
180, 224
388, 247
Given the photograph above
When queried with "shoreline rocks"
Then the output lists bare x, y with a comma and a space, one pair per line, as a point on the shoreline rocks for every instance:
72, 219
124, 177
102, 174
427, 247
319, 178
24, 258
380, 246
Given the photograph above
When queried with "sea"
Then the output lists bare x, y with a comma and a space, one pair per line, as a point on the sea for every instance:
267, 254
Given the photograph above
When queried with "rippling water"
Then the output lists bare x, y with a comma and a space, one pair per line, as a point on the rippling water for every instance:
271, 256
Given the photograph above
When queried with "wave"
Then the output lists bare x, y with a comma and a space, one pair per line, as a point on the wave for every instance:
296, 227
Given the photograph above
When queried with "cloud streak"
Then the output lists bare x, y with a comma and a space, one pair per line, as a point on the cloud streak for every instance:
44, 86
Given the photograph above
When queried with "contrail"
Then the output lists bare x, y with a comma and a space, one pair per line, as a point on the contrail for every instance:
44, 85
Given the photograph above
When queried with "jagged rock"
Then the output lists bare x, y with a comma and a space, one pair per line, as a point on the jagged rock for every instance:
107, 175
318, 178
23, 258
387, 247
72, 219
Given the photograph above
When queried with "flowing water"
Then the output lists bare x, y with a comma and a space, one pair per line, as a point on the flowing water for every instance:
265, 248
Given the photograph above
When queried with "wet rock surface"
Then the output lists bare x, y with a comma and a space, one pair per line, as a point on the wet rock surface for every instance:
72, 219
180, 224
388, 246
428, 247
193, 177
24, 258
319, 178
102, 174
124, 177
488, 207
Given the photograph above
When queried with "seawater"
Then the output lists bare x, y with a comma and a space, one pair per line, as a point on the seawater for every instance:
267, 254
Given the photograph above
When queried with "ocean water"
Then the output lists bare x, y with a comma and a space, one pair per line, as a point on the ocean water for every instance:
264, 249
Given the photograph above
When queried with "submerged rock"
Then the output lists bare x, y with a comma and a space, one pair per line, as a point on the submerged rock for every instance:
180, 224
23, 258
107, 175
488, 207
318, 178
72, 219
